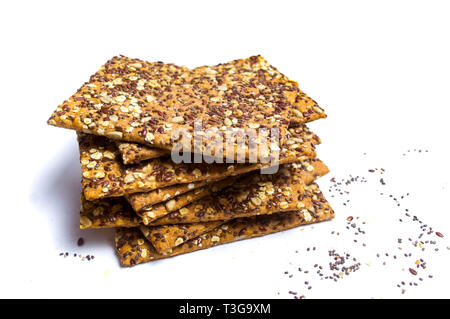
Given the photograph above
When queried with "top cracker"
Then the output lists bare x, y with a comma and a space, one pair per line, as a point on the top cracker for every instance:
145, 102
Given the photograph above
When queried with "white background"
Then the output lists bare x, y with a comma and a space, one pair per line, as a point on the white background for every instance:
381, 70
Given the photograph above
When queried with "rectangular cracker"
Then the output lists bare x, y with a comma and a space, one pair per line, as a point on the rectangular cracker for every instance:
133, 153
133, 248
303, 109
107, 213
255, 195
104, 175
116, 211
164, 238
137, 101
166, 193
162, 209
139, 201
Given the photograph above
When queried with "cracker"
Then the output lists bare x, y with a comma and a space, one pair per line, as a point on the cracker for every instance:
167, 237
166, 193
133, 153
116, 211
137, 101
139, 202
133, 248
107, 213
303, 108
104, 175
255, 195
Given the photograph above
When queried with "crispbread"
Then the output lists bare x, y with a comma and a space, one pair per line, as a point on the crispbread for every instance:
256, 195
107, 213
143, 102
104, 175
167, 237
133, 248
253, 195
116, 211
303, 108
133, 153
166, 193
138, 201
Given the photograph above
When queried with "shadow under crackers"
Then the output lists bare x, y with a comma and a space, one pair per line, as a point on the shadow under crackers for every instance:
56, 192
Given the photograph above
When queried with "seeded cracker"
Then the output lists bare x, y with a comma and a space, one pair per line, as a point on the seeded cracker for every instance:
143, 102
247, 197
304, 109
164, 194
255, 194
106, 213
104, 175
116, 212
134, 249
133, 153
138, 201
162, 209
263, 196
164, 238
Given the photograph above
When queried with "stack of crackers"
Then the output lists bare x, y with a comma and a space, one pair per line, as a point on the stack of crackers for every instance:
125, 117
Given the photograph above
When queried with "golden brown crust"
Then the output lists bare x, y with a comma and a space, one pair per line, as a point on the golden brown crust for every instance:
116, 212
134, 249
107, 213
137, 101
254, 195
166, 193
166, 237
133, 153
104, 175
139, 201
